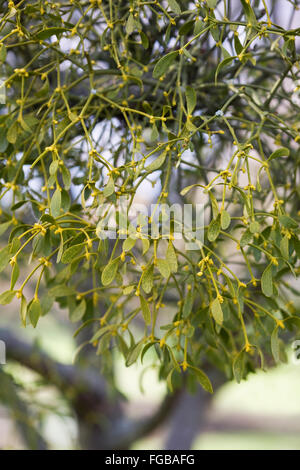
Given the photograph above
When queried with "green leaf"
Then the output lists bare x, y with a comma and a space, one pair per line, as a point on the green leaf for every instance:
3, 140
237, 45
225, 220
214, 204
246, 238
211, 3
188, 303
65, 201
190, 126
199, 26
223, 64
100, 333
128, 289
144, 39
254, 227
275, 345
251, 18
12, 133
78, 312
284, 247
169, 380
164, 64
4, 227
238, 366
130, 24
109, 272
23, 310
267, 281
154, 133
191, 99
71, 253
60, 250
5, 256
2, 53
202, 379
34, 311
61, 291
282, 152
185, 190
48, 32
7, 296
46, 303
157, 163
103, 344
129, 243
55, 204
225, 53
186, 27
14, 246
134, 353
147, 281
213, 229
171, 257
145, 310
163, 267
174, 6
109, 188
146, 245
14, 275
122, 345
287, 221
66, 176
53, 167
217, 311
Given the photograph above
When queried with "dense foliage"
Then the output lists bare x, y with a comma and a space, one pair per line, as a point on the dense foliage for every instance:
199, 100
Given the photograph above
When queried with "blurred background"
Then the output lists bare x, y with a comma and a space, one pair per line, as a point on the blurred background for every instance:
260, 413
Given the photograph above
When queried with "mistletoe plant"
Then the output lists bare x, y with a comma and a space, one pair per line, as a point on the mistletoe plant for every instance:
102, 100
